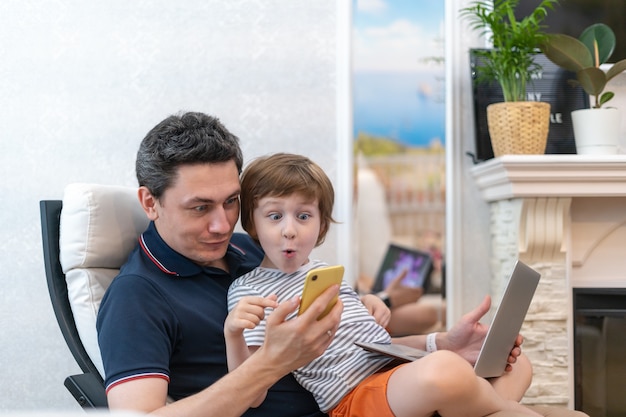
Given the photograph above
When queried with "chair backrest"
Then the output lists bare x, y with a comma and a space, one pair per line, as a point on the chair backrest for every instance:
50, 215
99, 227
86, 238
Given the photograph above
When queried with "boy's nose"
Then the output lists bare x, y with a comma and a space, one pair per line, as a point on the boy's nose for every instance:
289, 231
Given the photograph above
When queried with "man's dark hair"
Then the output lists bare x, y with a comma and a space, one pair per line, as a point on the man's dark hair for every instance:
190, 138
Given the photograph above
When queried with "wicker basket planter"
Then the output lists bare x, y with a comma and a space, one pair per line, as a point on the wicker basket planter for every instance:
519, 127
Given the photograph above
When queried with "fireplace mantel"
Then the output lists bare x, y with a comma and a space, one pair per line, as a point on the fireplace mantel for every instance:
512, 176
565, 215
544, 186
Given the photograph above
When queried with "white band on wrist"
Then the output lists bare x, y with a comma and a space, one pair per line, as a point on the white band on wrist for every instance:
431, 344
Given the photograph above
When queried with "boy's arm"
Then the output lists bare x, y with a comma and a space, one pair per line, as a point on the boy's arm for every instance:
237, 352
377, 308
465, 337
247, 314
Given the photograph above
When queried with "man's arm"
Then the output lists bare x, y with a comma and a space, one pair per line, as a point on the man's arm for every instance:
288, 345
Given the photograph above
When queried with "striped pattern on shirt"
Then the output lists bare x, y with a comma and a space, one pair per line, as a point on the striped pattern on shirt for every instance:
344, 365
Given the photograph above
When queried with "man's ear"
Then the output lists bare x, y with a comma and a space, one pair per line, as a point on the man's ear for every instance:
148, 202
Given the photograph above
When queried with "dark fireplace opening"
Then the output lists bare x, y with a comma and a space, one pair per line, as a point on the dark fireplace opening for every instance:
600, 351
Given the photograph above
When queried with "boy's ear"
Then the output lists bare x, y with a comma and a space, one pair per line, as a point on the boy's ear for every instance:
251, 230
323, 230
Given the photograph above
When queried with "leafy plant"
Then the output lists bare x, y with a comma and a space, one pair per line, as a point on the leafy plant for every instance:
584, 57
511, 60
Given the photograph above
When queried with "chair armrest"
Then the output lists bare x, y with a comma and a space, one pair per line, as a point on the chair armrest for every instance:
87, 389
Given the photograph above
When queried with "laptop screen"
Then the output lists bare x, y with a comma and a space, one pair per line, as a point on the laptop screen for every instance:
418, 265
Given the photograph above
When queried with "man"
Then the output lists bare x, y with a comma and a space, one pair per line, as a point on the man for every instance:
160, 324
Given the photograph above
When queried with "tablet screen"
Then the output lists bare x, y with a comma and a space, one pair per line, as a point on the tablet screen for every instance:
418, 265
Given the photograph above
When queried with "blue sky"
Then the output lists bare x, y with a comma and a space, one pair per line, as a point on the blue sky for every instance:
397, 34
397, 94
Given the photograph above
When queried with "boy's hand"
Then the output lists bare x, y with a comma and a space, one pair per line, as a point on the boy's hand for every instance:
377, 308
290, 344
248, 313
467, 335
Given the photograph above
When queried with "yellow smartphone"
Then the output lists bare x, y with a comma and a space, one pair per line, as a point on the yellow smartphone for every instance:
316, 282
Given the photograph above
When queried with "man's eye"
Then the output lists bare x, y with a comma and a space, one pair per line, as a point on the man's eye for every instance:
200, 209
231, 201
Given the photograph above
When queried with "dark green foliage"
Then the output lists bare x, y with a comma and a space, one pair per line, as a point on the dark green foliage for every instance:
515, 42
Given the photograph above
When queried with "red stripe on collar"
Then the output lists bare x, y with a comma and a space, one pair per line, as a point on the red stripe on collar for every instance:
145, 249
241, 251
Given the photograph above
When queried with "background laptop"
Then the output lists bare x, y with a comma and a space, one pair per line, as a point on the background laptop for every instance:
504, 328
398, 258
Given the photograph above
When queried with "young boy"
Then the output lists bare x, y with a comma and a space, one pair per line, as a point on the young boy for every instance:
286, 206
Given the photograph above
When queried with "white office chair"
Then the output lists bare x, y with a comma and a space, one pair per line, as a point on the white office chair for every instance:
86, 238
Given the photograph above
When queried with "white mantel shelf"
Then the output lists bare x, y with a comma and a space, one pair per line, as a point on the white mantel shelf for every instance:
518, 176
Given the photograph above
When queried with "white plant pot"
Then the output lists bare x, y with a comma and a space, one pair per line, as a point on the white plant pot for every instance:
596, 131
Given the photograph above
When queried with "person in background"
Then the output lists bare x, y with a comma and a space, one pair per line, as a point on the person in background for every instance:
410, 313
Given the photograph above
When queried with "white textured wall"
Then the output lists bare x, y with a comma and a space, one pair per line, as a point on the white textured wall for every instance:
468, 269
81, 82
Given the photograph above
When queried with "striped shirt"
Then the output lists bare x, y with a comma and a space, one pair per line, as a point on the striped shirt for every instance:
344, 365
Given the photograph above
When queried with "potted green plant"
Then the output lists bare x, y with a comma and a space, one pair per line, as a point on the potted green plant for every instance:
584, 56
516, 125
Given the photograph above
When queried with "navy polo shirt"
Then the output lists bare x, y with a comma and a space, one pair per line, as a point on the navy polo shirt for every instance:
163, 316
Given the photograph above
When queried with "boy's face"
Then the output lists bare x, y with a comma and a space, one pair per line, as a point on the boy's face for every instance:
287, 228
196, 216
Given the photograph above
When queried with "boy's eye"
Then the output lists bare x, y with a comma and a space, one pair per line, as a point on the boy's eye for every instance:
274, 216
304, 216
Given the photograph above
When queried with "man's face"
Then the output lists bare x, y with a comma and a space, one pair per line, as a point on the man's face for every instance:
196, 216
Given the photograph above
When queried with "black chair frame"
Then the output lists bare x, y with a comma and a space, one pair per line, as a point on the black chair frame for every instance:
88, 387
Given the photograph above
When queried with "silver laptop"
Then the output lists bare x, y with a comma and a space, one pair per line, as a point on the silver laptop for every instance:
505, 326
507, 321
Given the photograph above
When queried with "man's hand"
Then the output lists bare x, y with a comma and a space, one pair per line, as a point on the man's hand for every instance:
377, 308
291, 344
401, 294
248, 313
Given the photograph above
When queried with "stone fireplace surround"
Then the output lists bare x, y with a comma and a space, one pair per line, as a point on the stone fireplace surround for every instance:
565, 215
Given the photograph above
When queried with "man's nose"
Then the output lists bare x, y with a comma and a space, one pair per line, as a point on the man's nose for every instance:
219, 221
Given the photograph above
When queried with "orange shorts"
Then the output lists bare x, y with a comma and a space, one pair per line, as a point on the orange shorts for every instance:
368, 399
